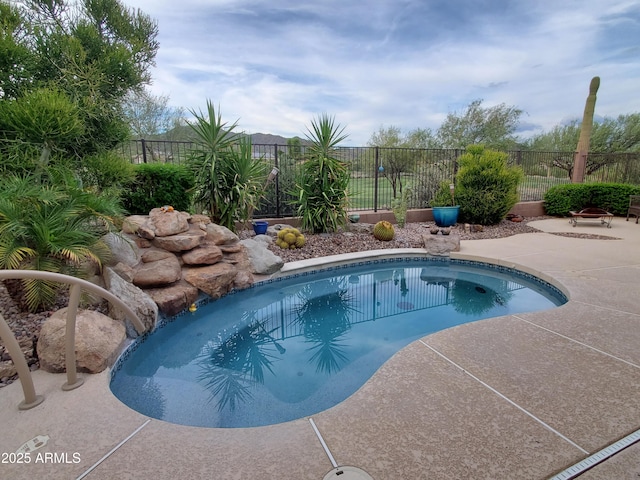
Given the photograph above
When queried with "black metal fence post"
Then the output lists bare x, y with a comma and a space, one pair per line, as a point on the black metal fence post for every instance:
375, 183
144, 150
275, 164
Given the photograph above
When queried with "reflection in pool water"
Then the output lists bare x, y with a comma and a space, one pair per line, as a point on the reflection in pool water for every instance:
293, 347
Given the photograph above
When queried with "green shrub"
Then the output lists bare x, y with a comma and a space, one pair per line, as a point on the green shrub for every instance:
106, 171
486, 187
158, 184
613, 197
442, 197
400, 206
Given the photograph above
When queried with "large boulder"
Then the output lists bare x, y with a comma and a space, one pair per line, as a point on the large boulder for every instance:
214, 280
262, 260
133, 297
441, 245
158, 273
265, 239
123, 249
231, 248
244, 279
155, 254
240, 259
180, 242
199, 219
132, 223
146, 231
138, 225
205, 254
220, 235
175, 298
99, 340
167, 223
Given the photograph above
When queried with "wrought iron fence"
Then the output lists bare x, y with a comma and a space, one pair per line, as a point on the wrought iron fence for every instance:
378, 175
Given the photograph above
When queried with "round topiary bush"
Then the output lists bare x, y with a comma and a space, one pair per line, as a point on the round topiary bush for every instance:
486, 186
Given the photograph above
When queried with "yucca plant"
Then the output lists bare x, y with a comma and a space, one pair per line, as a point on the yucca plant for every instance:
322, 187
51, 227
244, 182
228, 180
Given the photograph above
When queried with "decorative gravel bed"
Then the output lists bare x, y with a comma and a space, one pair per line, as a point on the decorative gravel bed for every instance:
358, 239
26, 326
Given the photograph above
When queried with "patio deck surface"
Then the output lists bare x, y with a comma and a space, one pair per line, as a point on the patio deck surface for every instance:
516, 397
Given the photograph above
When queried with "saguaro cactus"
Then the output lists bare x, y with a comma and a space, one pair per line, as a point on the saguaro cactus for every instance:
582, 150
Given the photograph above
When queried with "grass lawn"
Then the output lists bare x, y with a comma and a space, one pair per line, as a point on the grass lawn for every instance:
362, 190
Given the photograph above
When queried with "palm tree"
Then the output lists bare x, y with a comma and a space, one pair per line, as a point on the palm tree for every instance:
53, 227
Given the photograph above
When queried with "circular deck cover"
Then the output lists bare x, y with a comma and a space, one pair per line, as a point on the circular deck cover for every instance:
347, 473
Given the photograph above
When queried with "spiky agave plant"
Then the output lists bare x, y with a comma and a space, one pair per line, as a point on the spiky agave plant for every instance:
322, 187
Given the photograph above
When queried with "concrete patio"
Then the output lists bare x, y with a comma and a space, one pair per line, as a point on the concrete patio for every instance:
524, 396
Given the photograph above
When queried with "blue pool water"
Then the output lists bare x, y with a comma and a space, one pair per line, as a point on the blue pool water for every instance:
292, 347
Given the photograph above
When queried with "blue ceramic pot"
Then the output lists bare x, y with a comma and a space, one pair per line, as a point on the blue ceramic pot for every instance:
260, 227
446, 216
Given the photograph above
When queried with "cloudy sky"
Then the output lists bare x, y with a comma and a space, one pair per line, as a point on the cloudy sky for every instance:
275, 65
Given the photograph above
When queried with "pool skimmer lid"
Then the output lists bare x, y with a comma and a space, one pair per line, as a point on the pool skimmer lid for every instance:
347, 473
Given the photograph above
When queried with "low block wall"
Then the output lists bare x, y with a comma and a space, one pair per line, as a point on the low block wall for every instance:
526, 209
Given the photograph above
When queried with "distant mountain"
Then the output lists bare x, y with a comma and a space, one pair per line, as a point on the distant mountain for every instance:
269, 139
185, 134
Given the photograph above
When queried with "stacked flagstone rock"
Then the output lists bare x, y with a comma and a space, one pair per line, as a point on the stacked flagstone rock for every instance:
172, 256
160, 263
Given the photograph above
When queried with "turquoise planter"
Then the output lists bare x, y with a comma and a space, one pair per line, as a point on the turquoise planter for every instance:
446, 216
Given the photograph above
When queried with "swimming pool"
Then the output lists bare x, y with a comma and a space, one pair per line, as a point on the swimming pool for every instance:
294, 346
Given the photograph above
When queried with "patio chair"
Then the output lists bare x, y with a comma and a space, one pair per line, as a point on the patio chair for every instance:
634, 206
592, 213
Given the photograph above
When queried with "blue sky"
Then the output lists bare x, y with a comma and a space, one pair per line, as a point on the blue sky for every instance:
275, 65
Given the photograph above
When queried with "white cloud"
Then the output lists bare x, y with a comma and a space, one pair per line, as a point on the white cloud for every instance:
406, 63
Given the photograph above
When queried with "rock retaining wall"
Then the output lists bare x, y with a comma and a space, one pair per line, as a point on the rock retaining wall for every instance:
172, 256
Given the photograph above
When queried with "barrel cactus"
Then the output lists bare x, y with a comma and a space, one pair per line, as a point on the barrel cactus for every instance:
290, 238
383, 230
